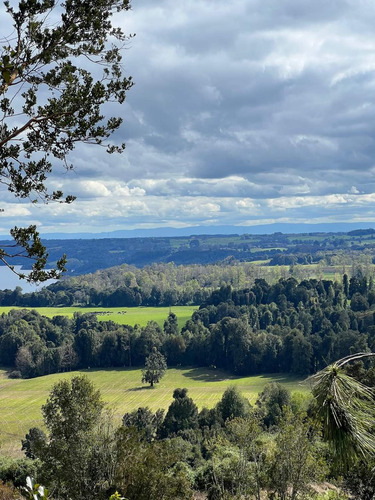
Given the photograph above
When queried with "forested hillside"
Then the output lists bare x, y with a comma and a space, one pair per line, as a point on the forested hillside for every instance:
127, 286
169, 284
87, 256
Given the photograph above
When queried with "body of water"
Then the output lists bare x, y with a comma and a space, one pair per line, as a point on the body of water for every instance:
10, 280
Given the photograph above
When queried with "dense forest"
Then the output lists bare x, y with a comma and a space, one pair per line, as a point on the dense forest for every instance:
170, 284
289, 326
128, 286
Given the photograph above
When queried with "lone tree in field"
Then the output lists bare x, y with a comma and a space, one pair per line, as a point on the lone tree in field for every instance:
60, 64
155, 368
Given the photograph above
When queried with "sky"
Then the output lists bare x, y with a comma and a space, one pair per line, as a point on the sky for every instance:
243, 112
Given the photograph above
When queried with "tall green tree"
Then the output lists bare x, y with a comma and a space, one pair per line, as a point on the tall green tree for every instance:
182, 414
59, 66
78, 457
233, 404
144, 420
148, 471
246, 434
35, 439
294, 465
171, 325
155, 368
272, 402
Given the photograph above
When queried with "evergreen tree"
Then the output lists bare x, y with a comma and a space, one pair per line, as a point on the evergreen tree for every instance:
171, 325
233, 404
272, 402
345, 407
155, 368
182, 414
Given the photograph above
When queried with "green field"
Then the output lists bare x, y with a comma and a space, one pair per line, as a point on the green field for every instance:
303, 271
120, 315
21, 400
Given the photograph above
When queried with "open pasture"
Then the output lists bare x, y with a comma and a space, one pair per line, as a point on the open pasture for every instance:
120, 315
21, 400
302, 271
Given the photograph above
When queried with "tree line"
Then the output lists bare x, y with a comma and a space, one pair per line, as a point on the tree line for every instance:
158, 285
290, 327
128, 286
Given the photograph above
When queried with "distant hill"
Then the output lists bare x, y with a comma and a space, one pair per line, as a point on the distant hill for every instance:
210, 230
89, 255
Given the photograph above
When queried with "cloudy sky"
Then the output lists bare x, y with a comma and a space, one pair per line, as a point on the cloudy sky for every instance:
244, 112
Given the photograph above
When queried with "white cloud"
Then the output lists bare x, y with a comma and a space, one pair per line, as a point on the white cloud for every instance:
124, 190
14, 210
91, 189
246, 205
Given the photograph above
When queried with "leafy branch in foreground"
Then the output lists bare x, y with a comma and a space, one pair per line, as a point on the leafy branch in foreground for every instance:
28, 244
60, 66
33, 490
346, 408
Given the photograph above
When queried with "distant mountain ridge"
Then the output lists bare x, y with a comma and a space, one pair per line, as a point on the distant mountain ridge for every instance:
285, 228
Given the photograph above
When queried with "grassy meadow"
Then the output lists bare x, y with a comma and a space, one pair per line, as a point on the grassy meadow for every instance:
120, 315
21, 400
303, 271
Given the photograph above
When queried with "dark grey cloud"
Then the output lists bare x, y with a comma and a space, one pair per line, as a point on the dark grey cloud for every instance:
272, 87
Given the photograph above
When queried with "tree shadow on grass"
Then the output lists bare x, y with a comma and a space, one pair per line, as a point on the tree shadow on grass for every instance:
141, 388
207, 375
283, 378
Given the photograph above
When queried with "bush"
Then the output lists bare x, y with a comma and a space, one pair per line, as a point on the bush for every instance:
271, 402
332, 495
16, 470
233, 404
7, 492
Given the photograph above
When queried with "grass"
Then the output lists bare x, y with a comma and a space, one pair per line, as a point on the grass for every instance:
21, 400
120, 315
301, 271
